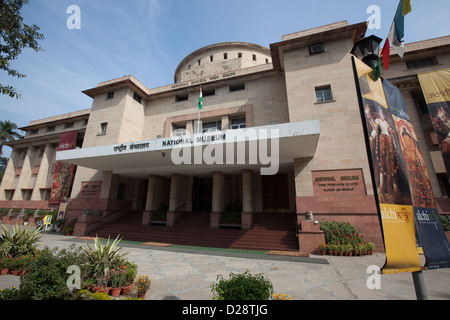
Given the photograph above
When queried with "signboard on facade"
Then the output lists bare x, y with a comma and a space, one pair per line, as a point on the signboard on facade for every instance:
342, 182
90, 189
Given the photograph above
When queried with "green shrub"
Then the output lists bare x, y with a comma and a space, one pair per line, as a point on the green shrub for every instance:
341, 233
101, 259
8, 294
19, 241
445, 221
243, 286
47, 275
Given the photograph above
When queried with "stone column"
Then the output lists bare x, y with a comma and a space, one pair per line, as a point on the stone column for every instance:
247, 199
10, 173
25, 174
218, 198
44, 170
155, 196
177, 198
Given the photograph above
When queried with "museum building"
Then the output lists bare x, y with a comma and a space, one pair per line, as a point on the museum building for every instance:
279, 136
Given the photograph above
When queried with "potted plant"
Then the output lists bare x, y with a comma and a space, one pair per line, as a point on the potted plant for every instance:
3, 212
322, 248
117, 280
59, 224
28, 214
15, 212
370, 247
4, 265
332, 249
142, 284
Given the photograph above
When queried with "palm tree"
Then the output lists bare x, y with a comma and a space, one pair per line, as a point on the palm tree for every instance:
7, 133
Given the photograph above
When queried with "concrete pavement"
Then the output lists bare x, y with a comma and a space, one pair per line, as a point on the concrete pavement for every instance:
182, 273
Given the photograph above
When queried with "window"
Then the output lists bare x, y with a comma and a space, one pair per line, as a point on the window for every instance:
267, 60
68, 125
51, 128
103, 127
239, 54
209, 92
238, 123
323, 94
237, 87
110, 95
137, 97
225, 56
45, 194
121, 191
9, 194
26, 194
181, 97
316, 48
423, 63
211, 126
35, 131
211, 58
254, 57
199, 61
179, 131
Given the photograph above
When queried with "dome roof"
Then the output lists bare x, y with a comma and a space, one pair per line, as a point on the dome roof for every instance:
221, 57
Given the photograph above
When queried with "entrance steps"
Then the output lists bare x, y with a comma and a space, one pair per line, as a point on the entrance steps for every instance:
274, 231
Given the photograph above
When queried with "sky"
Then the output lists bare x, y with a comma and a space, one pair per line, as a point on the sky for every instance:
149, 38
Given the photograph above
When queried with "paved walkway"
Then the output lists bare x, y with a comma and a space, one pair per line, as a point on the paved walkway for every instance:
181, 273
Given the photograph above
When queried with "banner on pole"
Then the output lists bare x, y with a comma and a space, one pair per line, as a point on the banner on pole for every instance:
436, 90
389, 174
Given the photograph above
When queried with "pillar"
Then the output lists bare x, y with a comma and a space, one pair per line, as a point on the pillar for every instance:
218, 198
25, 174
9, 174
156, 196
44, 170
177, 198
247, 199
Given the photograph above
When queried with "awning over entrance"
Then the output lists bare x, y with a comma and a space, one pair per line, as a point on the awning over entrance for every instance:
266, 148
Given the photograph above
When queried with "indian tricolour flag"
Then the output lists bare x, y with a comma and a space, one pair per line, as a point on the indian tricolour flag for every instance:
200, 100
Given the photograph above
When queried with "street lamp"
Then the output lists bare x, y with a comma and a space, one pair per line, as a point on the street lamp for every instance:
368, 50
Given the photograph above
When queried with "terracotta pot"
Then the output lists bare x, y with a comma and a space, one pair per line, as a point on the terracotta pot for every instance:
4, 271
14, 272
126, 289
141, 295
105, 289
115, 292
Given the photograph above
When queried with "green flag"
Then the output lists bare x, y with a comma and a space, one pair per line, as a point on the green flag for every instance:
377, 70
200, 100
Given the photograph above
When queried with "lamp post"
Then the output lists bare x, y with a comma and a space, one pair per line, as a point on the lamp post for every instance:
368, 50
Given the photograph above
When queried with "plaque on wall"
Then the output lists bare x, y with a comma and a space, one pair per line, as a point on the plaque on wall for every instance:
338, 182
90, 189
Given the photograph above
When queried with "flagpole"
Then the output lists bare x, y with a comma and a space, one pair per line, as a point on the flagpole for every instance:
198, 120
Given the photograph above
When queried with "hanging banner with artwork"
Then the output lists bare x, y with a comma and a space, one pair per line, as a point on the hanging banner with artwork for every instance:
436, 90
389, 174
64, 172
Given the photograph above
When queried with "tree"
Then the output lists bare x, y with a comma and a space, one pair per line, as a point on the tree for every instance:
15, 36
7, 132
3, 164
